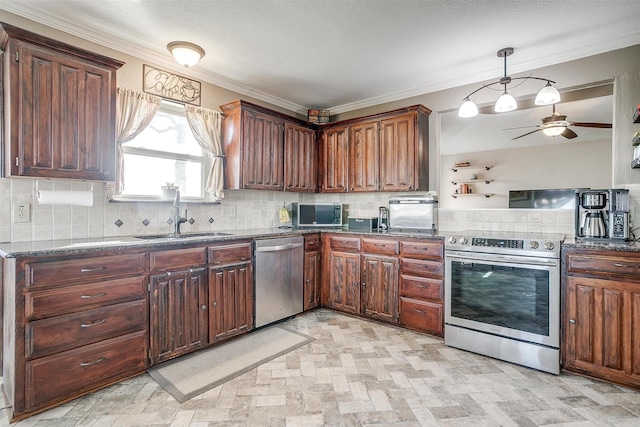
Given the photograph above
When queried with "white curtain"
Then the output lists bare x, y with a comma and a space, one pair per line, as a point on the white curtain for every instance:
134, 112
206, 126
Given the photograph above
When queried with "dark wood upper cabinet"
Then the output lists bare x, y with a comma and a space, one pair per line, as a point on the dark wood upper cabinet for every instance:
364, 158
60, 115
334, 166
300, 158
382, 152
257, 144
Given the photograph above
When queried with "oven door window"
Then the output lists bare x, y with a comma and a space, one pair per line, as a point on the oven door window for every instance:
515, 297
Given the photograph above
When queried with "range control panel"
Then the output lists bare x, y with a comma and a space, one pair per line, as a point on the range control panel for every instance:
498, 243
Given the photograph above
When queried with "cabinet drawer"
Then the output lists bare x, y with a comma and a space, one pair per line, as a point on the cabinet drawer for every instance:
177, 259
230, 253
422, 315
380, 246
421, 250
82, 270
414, 267
421, 288
312, 242
604, 264
85, 368
62, 333
349, 244
39, 305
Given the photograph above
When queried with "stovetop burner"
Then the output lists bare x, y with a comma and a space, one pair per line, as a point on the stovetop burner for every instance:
545, 245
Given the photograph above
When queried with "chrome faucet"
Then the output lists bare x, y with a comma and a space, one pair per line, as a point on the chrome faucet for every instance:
177, 219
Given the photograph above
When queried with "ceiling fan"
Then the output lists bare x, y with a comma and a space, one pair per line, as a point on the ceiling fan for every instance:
557, 124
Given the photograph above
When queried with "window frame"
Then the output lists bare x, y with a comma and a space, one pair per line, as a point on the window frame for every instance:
204, 160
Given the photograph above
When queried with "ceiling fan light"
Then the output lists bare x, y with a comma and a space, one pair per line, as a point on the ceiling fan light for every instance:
468, 109
554, 130
185, 53
505, 103
548, 95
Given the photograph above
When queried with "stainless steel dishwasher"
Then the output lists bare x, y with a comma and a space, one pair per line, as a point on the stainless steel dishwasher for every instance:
279, 279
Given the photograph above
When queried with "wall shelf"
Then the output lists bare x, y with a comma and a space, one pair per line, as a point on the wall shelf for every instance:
472, 181
455, 169
487, 195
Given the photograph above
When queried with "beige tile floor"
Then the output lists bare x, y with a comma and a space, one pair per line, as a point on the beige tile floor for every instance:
361, 373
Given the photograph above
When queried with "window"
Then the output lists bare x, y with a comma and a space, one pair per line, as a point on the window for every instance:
165, 152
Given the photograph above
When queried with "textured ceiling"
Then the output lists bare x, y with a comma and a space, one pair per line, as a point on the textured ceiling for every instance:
344, 55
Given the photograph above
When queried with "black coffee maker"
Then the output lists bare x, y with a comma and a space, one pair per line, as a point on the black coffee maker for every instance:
383, 219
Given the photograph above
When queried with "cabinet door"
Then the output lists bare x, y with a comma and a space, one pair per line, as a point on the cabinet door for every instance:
398, 161
334, 164
364, 157
300, 158
178, 313
344, 281
603, 328
65, 117
230, 301
380, 287
311, 280
262, 154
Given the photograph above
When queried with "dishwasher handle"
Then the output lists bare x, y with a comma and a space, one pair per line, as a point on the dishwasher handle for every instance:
279, 247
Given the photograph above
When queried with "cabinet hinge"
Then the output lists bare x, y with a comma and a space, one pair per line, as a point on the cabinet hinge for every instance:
149, 287
17, 161
149, 354
17, 57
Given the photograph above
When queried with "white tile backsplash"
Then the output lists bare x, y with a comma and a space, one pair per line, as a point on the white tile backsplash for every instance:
240, 210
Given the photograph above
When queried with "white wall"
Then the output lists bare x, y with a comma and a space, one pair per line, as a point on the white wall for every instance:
566, 165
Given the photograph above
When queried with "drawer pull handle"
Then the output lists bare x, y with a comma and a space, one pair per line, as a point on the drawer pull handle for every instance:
89, 325
572, 321
101, 294
419, 286
89, 270
95, 362
419, 311
626, 265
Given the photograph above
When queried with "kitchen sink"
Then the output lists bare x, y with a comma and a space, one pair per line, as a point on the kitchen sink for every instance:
181, 236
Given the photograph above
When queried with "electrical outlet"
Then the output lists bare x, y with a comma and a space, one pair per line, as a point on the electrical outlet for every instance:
21, 212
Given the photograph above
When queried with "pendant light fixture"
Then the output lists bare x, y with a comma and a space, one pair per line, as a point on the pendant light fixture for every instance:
546, 96
185, 53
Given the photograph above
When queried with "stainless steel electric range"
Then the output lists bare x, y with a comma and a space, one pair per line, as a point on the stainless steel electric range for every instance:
502, 296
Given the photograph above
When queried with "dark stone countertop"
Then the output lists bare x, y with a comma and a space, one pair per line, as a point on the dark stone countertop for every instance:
633, 246
90, 245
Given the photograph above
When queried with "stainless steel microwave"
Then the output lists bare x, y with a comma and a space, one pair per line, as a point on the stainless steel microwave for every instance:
316, 214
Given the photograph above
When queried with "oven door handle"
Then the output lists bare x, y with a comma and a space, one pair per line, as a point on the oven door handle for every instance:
501, 258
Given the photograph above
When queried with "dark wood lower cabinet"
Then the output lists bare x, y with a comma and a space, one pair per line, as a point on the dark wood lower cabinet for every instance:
230, 301
601, 316
311, 280
178, 323
344, 281
380, 287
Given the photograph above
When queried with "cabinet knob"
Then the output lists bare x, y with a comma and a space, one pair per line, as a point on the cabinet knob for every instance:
204, 307
308, 280
214, 303
572, 321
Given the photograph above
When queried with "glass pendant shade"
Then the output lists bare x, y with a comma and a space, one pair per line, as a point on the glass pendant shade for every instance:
468, 109
554, 131
548, 95
185, 54
505, 103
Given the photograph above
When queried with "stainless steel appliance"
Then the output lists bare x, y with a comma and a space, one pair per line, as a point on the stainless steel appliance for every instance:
502, 297
602, 214
278, 279
316, 215
363, 223
413, 213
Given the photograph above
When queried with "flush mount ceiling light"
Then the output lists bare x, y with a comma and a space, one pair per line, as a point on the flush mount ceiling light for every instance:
185, 53
547, 95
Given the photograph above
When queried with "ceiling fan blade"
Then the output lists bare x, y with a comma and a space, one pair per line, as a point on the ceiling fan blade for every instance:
521, 127
568, 133
593, 125
525, 134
